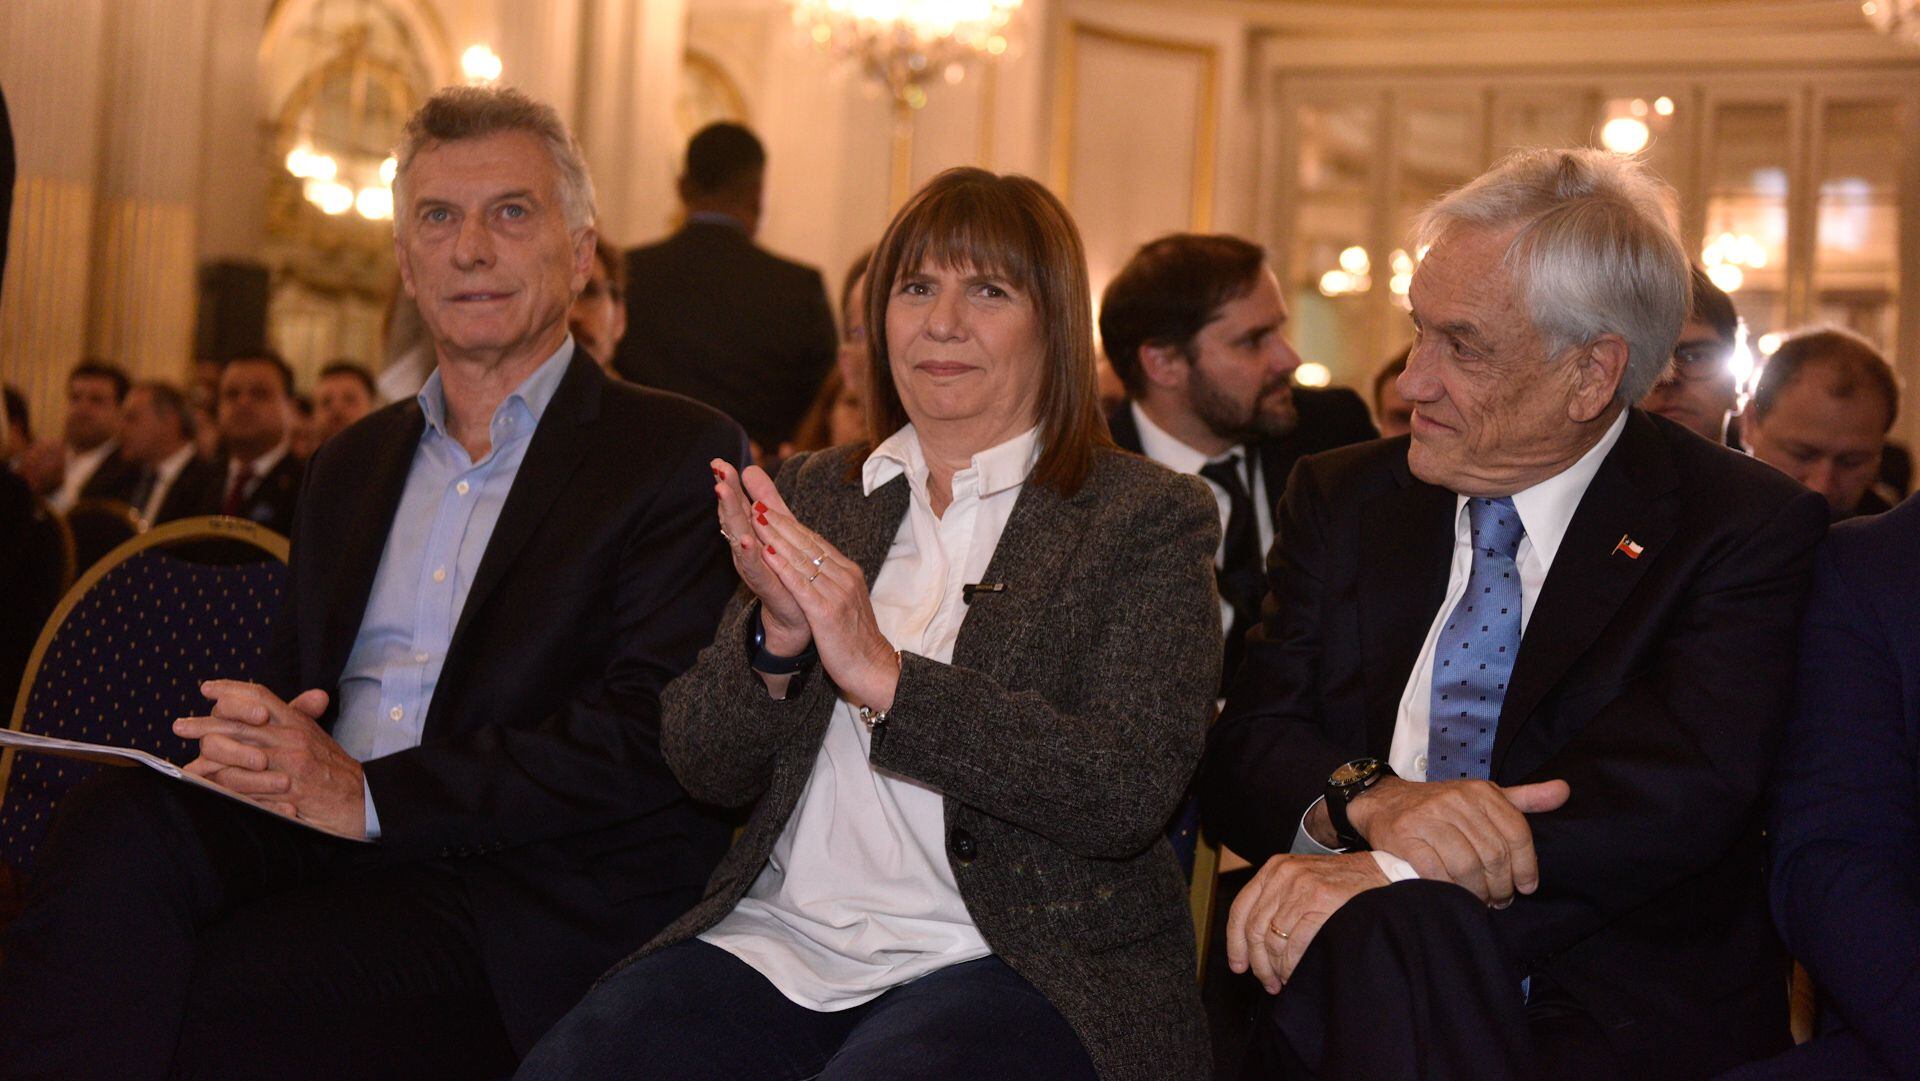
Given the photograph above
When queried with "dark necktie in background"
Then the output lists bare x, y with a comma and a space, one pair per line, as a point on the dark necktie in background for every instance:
1241, 574
1475, 652
149, 478
237, 492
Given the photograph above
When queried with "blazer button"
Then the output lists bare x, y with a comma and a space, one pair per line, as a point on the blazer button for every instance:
961, 846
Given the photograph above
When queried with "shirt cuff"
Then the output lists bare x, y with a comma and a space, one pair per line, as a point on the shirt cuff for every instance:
1303, 842
373, 816
1395, 868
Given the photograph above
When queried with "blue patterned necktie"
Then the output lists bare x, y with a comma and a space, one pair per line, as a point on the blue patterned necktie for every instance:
1476, 649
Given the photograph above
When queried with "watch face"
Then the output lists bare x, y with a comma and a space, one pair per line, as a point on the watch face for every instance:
1354, 772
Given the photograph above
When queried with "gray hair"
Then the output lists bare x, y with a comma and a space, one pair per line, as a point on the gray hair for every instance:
1596, 252
471, 112
171, 401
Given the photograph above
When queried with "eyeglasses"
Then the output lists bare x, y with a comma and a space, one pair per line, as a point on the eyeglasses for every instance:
1699, 362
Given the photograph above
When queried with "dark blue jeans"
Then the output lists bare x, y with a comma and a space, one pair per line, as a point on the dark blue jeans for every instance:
694, 1012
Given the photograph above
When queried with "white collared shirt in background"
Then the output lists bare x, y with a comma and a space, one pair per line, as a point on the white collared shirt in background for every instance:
260, 466
81, 466
1157, 444
857, 896
164, 475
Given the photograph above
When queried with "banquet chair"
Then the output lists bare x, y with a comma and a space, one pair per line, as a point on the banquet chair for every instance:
126, 650
99, 526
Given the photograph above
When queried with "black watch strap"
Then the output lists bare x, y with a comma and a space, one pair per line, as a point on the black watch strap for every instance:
773, 664
1349, 838
1345, 785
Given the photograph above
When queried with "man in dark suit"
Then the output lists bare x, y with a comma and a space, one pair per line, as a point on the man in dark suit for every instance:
1536, 657
1820, 413
1194, 327
1846, 816
712, 315
490, 586
158, 439
86, 463
255, 416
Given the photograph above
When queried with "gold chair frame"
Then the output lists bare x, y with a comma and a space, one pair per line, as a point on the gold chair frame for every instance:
69, 555
186, 530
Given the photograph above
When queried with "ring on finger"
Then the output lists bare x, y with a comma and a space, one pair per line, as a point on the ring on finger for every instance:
819, 559
724, 533
812, 576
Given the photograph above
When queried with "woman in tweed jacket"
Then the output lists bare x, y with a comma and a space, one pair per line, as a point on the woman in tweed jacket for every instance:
963, 689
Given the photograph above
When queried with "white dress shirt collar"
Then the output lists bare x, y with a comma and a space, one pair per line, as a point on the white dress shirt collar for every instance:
1546, 508
1167, 449
261, 466
169, 467
993, 470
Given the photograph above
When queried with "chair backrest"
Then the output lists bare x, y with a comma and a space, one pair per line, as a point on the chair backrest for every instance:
99, 526
125, 652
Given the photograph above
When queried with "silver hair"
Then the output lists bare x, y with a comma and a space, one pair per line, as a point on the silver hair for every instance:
471, 112
1595, 252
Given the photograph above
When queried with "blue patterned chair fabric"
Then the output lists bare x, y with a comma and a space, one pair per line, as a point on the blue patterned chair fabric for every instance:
126, 661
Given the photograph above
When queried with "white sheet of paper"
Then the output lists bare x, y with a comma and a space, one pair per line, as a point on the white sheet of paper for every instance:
129, 756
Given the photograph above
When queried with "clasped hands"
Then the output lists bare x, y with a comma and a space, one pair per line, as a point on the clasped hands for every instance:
810, 593
1471, 833
276, 754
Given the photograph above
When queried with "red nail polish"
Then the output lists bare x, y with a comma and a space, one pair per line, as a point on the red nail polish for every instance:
761, 518
759, 506
770, 549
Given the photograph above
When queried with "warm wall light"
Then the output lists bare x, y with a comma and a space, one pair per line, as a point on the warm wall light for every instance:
1663, 105
1625, 135
331, 196
1727, 276
1312, 375
375, 204
480, 64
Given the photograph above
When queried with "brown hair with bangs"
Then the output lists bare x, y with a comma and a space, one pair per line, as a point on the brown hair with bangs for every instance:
1010, 227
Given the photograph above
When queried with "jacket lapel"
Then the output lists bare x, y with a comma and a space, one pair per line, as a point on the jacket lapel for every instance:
1406, 547
559, 442
1030, 561
366, 529
1630, 497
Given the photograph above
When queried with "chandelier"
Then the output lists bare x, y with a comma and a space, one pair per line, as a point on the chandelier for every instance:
1901, 18
902, 44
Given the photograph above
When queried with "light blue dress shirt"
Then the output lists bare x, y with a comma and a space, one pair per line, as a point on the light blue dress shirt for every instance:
440, 531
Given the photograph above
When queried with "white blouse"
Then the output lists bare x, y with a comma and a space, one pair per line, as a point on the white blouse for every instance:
857, 896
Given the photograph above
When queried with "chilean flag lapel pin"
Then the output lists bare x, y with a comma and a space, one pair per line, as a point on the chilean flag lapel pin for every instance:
1630, 547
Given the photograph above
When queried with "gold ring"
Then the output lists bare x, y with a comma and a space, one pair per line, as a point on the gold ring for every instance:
816, 574
817, 560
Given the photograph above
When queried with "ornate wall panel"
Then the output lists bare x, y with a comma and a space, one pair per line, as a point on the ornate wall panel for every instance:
1136, 123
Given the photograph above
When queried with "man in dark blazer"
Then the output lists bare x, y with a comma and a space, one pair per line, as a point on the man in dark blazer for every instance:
158, 438
1846, 816
714, 316
491, 585
1194, 327
1536, 657
261, 481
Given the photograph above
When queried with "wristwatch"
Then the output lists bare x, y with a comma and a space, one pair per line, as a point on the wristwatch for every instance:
774, 664
1344, 785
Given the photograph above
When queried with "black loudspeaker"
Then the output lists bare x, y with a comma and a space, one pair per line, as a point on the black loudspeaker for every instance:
233, 310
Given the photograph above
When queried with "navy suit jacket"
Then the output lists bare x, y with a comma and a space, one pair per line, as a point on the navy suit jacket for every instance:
539, 779
1655, 686
1846, 820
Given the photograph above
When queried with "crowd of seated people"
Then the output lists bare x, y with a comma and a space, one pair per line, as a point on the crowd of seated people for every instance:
670, 700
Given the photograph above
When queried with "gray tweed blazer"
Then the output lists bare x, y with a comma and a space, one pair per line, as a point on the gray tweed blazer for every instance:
1063, 736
